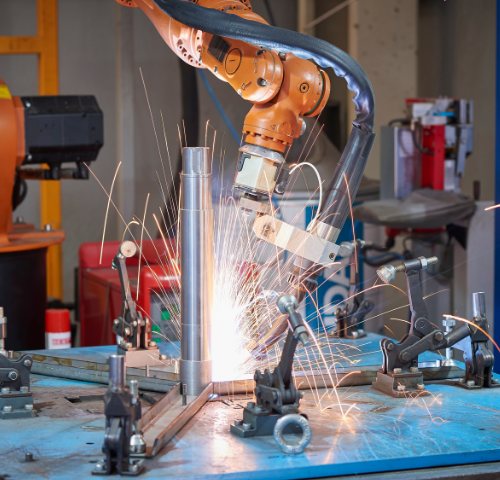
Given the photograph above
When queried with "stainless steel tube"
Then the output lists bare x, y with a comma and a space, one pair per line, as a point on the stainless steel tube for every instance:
117, 373
197, 251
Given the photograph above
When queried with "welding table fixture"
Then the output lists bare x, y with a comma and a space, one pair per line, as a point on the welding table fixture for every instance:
267, 66
197, 270
132, 330
16, 400
351, 316
277, 408
122, 408
399, 375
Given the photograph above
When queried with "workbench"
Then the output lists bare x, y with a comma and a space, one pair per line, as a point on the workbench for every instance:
453, 426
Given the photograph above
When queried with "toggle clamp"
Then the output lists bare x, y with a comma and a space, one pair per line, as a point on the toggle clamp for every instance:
131, 327
400, 375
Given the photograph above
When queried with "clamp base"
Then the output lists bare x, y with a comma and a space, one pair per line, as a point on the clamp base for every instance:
260, 425
142, 357
408, 384
463, 383
16, 405
135, 468
349, 335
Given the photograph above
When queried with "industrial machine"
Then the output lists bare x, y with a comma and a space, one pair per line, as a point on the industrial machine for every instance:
40, 136
400, 375
428, 148
266, 66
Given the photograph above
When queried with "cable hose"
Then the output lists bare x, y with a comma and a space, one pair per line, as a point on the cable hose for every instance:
304, 46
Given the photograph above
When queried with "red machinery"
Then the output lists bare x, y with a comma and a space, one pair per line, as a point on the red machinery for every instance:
101, 297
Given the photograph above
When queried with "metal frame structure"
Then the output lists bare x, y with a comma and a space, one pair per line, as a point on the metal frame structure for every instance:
45, 46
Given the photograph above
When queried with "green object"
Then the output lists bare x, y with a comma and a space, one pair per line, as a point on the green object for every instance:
165, 315
155, 329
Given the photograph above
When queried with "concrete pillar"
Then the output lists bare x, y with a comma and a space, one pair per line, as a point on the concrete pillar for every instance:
382, 37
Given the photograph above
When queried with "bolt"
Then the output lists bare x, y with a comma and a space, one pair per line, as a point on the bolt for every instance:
28, 104
116, 322
282, 56
99, 466
127, 331
495, 381
420, 386
406, 357
13, 376
47, 227
247, 426
134, 467
27, 363
438, 336
471, 383
28, 457
163, 357
421, 324
355, 334
331, 256
29, 407
7, 408
5, 391
401, 388
24, 389
414, 369
134, 323
390, 346
461, 380
152, 344
238, 423
397, 371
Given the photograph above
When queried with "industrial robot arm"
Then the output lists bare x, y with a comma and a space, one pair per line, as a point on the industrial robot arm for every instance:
282, 87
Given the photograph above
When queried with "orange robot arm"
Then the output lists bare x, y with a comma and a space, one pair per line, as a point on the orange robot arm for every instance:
282, 87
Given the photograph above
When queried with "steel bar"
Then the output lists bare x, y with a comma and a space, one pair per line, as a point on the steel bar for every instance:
197, 250
166, 418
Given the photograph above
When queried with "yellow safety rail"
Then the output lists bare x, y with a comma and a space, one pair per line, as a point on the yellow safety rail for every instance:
45, 45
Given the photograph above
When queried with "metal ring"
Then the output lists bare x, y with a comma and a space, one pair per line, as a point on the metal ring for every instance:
290, 419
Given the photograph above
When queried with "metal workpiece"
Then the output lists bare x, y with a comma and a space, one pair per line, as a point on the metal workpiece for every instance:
117, 373
342, 190
197, 252
478, 305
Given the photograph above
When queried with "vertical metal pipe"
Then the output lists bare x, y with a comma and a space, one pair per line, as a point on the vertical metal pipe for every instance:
117, 373
197, 251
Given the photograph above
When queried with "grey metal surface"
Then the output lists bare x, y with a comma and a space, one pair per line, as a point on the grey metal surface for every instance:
197, 250
399, 163
116, 373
